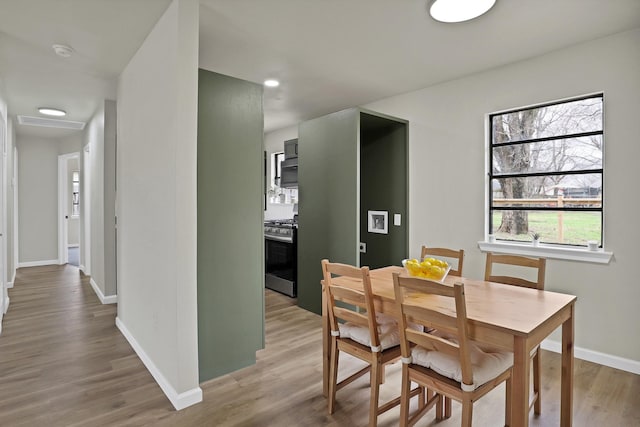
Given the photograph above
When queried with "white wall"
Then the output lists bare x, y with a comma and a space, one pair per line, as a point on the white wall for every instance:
99, 174
109, 199
4, 132
447, 155
38, 200
11, 188
156, 176
94, 141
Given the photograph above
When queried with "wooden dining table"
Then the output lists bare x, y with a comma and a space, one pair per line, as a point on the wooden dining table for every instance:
506, 317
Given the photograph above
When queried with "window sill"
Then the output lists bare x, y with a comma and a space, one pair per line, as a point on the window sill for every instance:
548, 251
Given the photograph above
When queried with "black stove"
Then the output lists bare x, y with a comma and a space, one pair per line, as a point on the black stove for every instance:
281, 255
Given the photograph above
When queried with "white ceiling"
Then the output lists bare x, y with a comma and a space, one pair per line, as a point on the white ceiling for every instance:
328, 54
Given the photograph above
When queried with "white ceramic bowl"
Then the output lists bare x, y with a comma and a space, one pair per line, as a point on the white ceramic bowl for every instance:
441, 279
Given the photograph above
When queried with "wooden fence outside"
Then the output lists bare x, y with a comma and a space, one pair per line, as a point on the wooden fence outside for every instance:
558, 202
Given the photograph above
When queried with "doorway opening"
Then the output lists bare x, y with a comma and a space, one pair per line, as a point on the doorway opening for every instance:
69, 209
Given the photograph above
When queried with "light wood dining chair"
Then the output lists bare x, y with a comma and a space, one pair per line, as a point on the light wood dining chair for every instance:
537, 268
442, 361
372, 339
446, 253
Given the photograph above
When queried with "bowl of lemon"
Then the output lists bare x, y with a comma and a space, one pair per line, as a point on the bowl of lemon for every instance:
428, 268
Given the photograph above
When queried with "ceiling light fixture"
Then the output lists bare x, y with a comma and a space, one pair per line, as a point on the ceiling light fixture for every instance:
271, 83
63, 50
47, 111
459, 10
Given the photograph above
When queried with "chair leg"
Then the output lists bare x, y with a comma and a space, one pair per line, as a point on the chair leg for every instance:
333, 374
537, 406
429, 394
440, 407
447, 407
376, 369
507, 403
404, 396
467, 412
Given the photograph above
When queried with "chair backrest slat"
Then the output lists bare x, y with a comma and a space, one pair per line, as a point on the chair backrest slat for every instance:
447, 253
349, 296
422, 285
433, 342
340, 269
430, 317
538, 264
349, 315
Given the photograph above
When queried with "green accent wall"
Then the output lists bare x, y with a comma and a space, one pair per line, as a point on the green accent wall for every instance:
383, 187
328, 199
345, 160
230, 224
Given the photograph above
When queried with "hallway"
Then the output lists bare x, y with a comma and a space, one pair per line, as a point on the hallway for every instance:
62, 360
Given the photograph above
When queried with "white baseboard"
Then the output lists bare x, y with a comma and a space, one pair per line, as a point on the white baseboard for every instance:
179, 400
6, 305
111, 299
81, 268
612, 361
38, 263
13, 280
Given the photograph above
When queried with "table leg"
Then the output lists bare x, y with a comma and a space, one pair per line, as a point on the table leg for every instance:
566, 399
520, 383
325, 346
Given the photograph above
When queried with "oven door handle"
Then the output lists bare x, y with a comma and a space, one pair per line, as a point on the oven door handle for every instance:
285, 239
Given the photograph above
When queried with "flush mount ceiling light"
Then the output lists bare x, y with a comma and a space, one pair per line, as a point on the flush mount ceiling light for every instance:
271, 83
47, 111
63, 50
458, 10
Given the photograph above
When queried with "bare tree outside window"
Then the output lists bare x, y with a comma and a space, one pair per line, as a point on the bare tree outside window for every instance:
546, 172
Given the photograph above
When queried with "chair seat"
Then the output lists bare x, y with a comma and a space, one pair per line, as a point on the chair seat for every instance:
487, 363
387, 327
389, 334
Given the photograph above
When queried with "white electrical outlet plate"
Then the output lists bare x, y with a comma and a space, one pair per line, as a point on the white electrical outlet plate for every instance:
397, 219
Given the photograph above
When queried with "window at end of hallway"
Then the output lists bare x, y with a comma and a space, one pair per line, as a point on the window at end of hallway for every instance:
75, 206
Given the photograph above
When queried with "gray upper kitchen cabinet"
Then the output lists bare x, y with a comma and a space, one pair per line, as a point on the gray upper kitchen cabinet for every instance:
350, 162
230, 224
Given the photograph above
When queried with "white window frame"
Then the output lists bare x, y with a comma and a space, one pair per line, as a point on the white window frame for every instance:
573, 253
73, 202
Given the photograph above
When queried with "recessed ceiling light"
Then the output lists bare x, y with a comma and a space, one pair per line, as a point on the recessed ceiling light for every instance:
458, 10
271, 83
52, 111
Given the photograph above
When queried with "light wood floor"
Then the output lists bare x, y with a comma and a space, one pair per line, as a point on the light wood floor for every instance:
64, 363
